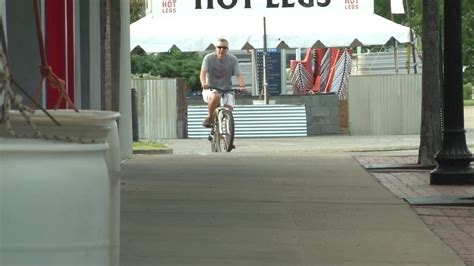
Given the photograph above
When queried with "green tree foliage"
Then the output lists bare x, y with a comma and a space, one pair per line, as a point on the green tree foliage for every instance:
468, 39
467, 91
137, 10
174, 64
382, 8
187, 65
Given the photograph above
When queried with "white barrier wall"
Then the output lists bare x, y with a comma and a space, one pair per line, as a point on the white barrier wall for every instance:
161, 108
385, 104
378, 105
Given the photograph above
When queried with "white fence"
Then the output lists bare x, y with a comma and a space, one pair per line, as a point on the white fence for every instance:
160, 104
255, 121
384, 104
378, 105
385, 63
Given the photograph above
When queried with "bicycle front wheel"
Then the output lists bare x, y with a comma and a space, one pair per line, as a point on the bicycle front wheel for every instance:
214, 135
226, 132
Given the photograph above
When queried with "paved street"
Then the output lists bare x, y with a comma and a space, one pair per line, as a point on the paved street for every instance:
289, 201
270, 209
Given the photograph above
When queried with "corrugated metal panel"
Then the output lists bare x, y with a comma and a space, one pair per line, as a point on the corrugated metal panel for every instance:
156, 108
275, 120
385, 105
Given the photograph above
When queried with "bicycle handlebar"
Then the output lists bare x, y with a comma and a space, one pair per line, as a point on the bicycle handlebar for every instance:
224, 91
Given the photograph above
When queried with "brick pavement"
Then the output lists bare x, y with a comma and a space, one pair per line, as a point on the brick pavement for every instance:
453, 224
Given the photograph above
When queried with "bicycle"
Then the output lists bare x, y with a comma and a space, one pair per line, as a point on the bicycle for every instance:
223, 126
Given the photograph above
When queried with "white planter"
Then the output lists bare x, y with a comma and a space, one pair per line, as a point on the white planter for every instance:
54, 203
86, 125
96, 127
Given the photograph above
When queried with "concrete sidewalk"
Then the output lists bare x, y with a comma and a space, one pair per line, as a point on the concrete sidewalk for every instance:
322, 143
290, 146
298, 201
446, 210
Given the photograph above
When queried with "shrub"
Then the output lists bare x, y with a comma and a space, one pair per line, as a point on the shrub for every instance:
173, 64
467, 91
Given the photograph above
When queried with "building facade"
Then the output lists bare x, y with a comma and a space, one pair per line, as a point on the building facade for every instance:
86, 44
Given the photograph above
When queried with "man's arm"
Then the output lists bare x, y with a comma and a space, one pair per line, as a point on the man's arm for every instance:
242, 82
239, 74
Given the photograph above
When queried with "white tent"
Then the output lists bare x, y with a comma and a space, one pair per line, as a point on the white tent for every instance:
334, 26
154, 34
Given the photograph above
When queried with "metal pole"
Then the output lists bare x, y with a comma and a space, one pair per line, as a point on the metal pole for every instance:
135, 135
412, 39
395, 51
454, 157
265, 82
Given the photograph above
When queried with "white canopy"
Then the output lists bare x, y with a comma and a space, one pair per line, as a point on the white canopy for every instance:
192, 33
195, 25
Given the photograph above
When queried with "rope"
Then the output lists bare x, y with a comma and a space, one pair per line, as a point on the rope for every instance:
12, 100
46, 71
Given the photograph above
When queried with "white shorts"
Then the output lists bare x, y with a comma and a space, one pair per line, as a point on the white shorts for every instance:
228, 99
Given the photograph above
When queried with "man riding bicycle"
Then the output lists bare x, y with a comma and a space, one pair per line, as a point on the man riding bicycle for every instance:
216, 72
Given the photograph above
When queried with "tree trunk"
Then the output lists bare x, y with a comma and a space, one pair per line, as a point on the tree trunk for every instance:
430, 132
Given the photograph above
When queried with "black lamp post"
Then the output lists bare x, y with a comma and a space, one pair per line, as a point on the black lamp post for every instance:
454, 158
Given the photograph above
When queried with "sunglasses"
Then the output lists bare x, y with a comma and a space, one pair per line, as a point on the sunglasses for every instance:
222, 47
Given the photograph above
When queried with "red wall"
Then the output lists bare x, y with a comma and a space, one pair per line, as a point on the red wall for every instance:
59, 43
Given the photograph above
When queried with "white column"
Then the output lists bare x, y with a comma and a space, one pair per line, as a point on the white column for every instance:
94, 55
298, 54
283, 71
77, 56
254, 77
125, 105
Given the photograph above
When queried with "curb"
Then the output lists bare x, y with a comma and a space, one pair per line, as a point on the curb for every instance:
151, 152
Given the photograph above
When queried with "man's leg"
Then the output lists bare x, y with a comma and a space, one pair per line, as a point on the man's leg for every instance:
212, 103
229, 102
231, 108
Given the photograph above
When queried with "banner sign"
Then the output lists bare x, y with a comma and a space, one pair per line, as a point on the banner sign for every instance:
261, 7
273, 65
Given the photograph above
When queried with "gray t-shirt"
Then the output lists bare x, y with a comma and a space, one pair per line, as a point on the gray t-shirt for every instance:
220, 72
